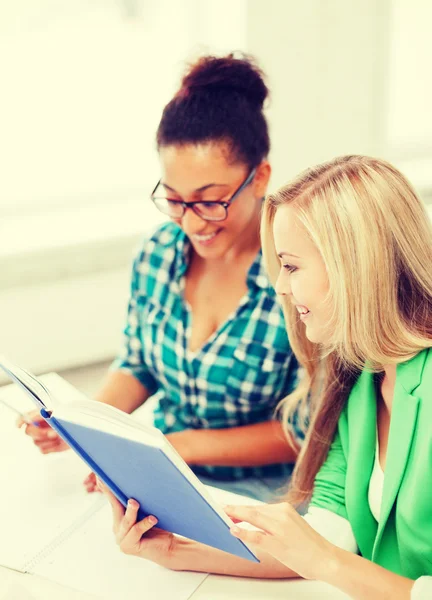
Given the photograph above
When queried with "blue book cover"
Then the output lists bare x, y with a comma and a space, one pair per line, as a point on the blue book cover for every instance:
137, 462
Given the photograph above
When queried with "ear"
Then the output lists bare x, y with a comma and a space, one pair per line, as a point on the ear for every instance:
261, 179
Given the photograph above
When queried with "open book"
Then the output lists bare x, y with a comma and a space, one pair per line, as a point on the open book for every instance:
53, 530
135, 461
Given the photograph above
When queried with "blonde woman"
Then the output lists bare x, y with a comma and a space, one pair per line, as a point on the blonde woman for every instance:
348, 246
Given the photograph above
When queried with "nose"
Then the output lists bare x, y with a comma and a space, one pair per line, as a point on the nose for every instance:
282, 285
191, 222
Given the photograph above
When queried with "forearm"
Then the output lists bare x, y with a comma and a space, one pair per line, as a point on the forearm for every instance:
250, 445
123, 391
363, 580
192, 556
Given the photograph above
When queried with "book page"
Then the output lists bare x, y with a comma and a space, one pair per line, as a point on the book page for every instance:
40, 495
90, 561
109, 419
63, 392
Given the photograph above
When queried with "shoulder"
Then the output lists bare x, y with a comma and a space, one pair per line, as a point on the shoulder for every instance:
260, 287
424, 389
427, 371
159, 247
157, 257
415, 375
163, 237
267, 312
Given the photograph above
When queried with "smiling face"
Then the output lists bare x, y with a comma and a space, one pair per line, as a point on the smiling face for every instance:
302, 277
203, 172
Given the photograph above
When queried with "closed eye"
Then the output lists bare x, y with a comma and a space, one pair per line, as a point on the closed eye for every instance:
290, 268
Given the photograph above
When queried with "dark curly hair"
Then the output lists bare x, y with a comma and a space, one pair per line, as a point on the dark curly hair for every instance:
220, 99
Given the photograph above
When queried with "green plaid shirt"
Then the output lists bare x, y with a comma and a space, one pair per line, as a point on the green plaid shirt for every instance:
239, 374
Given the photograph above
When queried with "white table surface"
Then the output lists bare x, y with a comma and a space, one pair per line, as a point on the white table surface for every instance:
15, 585
20, 586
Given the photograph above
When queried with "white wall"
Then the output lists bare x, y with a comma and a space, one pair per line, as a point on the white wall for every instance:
79, 119
89, 155
327, 67
70, 322
410, 125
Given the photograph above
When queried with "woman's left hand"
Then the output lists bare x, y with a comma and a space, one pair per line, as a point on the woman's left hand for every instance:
284, 534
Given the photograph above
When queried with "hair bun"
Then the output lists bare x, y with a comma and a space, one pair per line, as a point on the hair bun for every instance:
226, 74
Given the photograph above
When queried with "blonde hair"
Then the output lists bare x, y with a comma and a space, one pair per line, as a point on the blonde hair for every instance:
375, 238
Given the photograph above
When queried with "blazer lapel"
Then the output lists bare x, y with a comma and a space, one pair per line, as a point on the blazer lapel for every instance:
402, 426
362, 440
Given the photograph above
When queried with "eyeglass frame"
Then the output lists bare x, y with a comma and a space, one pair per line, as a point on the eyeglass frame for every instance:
225, 204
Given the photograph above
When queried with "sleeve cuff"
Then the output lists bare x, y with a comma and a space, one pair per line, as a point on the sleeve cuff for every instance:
422, 589
334, 528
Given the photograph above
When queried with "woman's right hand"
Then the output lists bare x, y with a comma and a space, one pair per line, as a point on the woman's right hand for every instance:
43, 436
140, 538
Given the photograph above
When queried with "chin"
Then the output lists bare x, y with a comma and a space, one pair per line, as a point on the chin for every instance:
208, 252
217, 250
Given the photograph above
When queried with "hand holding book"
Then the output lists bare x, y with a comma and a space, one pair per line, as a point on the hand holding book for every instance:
43, 436
134, 461
140, 538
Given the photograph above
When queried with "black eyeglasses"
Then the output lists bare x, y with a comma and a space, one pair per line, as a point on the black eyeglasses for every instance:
209, 211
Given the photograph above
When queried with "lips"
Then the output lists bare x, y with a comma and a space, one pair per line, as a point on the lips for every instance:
205, 238
303, 311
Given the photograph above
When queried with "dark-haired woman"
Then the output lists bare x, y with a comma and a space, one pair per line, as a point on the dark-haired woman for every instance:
204, 330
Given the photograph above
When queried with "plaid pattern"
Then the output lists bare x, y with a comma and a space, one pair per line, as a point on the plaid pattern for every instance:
235, 379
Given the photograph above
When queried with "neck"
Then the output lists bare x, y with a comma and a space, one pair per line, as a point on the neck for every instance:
247, 244
249, 241
390, 374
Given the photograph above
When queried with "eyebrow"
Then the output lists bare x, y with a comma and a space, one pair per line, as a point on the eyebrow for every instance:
282, 254
201, 189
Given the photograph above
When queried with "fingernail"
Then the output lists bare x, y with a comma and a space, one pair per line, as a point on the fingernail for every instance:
235, 530
51, 434
152, 520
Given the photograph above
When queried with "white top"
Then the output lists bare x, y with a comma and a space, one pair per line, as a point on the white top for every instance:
376, 486
338, 531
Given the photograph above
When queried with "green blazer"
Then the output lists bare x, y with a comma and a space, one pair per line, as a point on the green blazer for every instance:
402, 540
